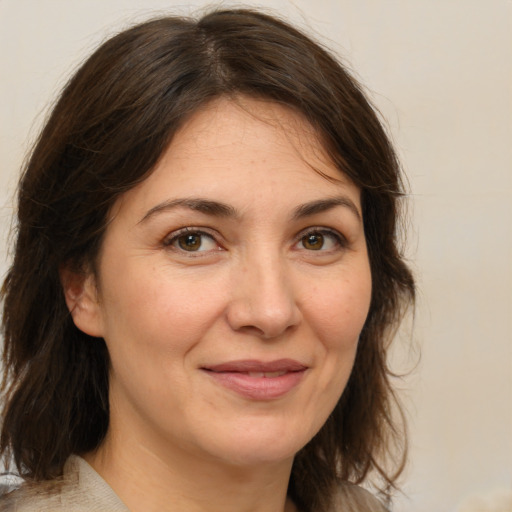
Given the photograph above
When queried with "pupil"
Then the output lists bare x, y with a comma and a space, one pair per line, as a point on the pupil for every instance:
190, 242
314, 242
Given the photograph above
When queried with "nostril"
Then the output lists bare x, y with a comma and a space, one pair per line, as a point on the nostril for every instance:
266, 333
266, 309
250, 329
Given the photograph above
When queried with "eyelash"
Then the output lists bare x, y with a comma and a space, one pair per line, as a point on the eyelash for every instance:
339, 240
176, 235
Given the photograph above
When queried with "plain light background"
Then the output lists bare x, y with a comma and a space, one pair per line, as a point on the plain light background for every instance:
441, 73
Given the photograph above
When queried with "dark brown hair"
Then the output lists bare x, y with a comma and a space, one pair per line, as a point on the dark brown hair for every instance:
112, 122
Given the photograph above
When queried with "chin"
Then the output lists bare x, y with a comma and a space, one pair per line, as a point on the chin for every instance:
257, 456
256, 446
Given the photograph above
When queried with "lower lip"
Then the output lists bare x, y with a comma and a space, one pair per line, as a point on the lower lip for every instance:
258, 388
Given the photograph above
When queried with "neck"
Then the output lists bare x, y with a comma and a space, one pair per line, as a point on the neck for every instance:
148, 478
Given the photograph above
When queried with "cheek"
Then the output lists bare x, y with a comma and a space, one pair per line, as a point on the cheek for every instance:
339, 316
336, 316
153, 312
340, 310
154, 326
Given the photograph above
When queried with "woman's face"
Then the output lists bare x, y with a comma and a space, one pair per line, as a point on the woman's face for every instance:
231, 290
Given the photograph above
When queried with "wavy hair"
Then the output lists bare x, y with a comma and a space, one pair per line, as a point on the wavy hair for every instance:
112, 122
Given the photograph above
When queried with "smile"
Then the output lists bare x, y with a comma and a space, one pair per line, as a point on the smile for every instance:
256, 380
267, 375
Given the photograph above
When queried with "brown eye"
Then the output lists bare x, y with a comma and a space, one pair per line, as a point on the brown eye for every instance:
187, 240
321, 240
190, 241
313, 241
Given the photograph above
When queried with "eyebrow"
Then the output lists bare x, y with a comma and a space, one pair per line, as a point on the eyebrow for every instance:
213, 208
323, 205
219, 209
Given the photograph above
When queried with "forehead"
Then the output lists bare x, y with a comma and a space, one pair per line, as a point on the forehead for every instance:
250, 124
242, 149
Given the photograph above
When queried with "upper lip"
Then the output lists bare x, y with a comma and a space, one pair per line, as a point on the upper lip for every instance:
252, 365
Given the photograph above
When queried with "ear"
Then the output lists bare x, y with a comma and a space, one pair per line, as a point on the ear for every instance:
81, 294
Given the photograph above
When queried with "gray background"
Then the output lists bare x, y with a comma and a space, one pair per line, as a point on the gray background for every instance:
441, 73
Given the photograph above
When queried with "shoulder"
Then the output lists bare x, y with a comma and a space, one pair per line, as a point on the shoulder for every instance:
9, 485
29, 499
80, 489
352, 498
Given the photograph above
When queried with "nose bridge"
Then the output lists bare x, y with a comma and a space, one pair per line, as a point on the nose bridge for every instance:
264, 300
272, 287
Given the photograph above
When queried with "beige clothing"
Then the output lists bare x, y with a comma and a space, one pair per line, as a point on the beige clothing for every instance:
83, 490
352, 498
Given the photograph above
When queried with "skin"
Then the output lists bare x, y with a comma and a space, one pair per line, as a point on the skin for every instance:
263, 277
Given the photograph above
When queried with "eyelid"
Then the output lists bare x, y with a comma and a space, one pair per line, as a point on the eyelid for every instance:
337, 235
169, 240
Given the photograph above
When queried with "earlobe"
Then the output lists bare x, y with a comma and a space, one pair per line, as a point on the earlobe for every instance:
80, 292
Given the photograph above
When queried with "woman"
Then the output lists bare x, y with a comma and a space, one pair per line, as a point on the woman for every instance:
205, 281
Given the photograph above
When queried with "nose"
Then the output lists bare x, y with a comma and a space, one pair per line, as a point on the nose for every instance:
263, 301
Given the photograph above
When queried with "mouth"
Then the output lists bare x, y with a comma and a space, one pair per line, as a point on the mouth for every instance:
279, 366
266, 375
258, 380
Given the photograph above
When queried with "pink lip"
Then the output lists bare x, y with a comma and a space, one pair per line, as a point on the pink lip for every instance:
236, 376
